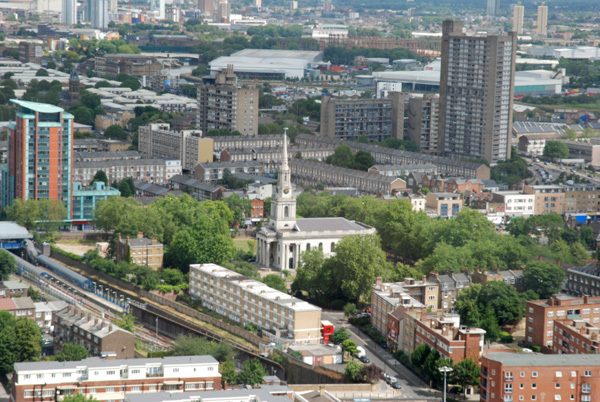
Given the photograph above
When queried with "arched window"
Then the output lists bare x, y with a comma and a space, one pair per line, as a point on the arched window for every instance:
307, 246
332, 246
286, 212
320, 246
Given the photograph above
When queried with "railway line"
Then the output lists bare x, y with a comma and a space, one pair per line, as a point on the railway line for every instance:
65, 287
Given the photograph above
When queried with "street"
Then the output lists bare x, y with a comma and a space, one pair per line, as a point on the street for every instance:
412, 386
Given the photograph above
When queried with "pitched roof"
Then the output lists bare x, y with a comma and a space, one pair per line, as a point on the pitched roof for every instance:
38, 107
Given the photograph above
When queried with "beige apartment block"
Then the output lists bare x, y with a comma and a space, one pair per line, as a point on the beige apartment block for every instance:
282, 318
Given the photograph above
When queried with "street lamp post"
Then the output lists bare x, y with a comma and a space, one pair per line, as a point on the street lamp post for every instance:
445, 370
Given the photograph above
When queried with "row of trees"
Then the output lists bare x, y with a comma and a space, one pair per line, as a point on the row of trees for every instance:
192, 232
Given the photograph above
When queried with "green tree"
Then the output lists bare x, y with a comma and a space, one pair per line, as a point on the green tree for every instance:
339, 336
34, 294
357, 262
276, 282
8, 342
71, 352
8, 265
556, 150
466, 373
489, 323
352, 371
125, 321
28, 340
79, 398
100, 176
239, 206
349, 346
308, 273
90, 100
363, 160
42, 72
252, 373
342, 156
115, 132
350, 310
419, 355
228, 373
544, 278
189, 345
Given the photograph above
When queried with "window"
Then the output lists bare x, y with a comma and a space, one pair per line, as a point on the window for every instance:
534, 374
110, 372
534, 386
557, 385
508, 376
586, 398
587, 373
508, 388
93, 390
559, 373
176, 370
522, 374
136, 371
67, 375
136, 388
533, 397
210, 369
557, 397
586, 388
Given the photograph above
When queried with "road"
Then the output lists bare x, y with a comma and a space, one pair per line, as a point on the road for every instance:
412, 386
555, 170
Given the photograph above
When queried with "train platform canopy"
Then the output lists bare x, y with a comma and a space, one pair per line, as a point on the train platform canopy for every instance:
13, 231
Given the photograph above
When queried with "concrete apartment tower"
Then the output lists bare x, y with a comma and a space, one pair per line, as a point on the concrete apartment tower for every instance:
69, 12
40, 155
224, 104
518, 13
476, 94
542, 20
422, 125
493, 6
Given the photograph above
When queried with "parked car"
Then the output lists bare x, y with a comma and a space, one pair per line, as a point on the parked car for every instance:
364, 359
396, 385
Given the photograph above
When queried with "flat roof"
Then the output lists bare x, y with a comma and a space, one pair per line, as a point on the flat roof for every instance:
38, 107
278, 53
270, 393
12, 230
533, 360
99, 362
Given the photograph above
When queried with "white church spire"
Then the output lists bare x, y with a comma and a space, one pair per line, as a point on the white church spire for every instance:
283, 205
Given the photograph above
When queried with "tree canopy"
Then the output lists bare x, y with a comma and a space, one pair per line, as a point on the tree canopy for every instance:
556, 150
544, 278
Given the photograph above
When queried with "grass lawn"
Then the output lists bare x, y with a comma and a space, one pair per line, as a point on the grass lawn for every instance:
241, 242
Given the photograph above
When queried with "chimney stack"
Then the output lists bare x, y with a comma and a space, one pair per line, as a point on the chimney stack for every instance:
154, 241
110, 328
140, 235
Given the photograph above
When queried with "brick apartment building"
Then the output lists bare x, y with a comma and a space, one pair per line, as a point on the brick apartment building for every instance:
542, 315
257, 209
409, 327
112, 380
507, 377
450, 286
99, 337
512, 277
387, 297
548, 198
575, 337
140, 250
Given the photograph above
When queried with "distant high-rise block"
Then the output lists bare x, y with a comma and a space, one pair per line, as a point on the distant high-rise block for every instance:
493, 6
99, 13
224, 11
518, 13
258, 3
207, 6
542, 20
327, 7
69, 12
476, 94
40, 155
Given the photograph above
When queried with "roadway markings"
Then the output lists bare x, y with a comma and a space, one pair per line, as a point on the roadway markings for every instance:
359, 338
